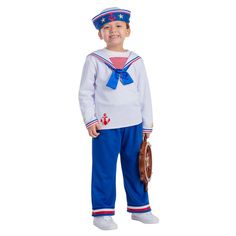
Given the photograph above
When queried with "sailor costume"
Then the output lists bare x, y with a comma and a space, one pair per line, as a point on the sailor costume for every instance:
119, 100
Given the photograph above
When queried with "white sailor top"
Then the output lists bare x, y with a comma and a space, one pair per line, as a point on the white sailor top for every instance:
115, 98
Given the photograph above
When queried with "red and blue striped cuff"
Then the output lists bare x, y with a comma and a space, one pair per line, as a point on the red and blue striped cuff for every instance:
103, 212
91, 123
147, 131
139, 209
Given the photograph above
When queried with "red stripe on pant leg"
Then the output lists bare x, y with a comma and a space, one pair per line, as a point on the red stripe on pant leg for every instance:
103, 212
139, 210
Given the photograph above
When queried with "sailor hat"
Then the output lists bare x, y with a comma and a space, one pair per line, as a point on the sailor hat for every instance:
109, 15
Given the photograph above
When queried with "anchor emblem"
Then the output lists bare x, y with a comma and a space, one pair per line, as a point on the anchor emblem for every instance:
105, 119
112, 17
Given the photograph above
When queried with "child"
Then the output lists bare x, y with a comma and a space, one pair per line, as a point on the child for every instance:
116, 106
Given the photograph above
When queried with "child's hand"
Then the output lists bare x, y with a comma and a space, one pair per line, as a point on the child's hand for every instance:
92, 130
146, 135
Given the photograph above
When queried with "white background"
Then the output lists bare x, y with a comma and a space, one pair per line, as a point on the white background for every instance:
45, 166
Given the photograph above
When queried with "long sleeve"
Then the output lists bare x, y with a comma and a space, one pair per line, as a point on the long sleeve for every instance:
86, 92
145, 99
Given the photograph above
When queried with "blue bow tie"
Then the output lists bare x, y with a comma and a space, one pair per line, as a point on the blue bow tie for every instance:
118, 74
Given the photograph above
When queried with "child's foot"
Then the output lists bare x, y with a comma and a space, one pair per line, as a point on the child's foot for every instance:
146, 218
104, 222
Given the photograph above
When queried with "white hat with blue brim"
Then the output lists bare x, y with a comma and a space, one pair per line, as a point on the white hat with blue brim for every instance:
109, 15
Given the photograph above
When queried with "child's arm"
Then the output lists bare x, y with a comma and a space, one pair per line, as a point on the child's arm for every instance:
145, 100
86, 96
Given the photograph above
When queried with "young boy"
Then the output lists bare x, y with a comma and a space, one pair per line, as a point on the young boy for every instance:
116, 106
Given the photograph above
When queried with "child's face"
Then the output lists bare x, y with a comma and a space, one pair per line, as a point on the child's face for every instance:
114, 33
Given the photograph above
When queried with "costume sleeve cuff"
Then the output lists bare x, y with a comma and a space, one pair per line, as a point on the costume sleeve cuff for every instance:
147, 131
91, 123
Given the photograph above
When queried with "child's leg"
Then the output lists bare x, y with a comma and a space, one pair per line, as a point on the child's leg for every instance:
105, 152
137, 198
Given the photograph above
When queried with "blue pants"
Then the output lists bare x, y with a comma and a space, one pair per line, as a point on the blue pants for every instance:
105, 150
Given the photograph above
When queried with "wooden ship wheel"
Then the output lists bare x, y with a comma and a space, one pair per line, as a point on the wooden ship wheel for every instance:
145, 163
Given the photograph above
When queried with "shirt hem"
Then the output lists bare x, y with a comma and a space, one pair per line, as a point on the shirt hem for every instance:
122, 126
